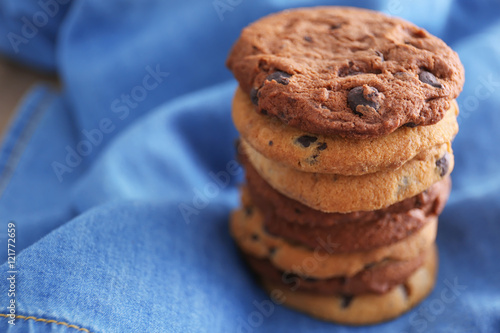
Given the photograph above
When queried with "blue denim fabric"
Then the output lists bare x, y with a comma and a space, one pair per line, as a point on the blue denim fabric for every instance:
104, 241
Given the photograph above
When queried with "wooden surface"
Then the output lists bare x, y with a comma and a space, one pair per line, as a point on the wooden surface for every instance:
15, 81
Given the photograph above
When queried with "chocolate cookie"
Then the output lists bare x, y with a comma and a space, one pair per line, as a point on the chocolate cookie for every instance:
367, 308
246, 226
357, 231
268, 200
345, 71
305, 151
344, 194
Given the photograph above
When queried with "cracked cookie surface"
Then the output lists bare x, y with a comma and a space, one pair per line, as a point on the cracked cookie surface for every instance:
367, 308
333, 154
332, 193
356, 231
345, 71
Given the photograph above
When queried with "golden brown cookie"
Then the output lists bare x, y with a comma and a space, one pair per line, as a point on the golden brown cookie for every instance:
343, 194
368, 308
333, 154
378, 278
356, 231
246, 226
345, 71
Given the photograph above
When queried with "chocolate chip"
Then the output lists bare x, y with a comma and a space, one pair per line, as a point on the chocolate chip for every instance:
443, 164
248, 210
310, 279
306, 140
365, 96
410, 125
254, 97
264, 112
255, 237
406, 290
429, 78
344, 71
380, 54
308, 39
321, 146
289, 275
346, 301
369, 265
312, 160
348, 71
266, 229
403, 76
270, 142
431, 99
280, 77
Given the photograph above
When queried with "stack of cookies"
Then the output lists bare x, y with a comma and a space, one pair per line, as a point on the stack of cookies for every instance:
346, 119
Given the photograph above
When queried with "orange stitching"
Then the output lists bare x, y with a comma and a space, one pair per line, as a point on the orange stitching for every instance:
48, 321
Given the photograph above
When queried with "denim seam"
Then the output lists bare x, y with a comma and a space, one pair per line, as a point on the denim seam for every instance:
47, 321
22, 141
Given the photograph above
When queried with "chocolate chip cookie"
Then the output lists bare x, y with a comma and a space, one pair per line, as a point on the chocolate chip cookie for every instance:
344, 194
366, 308
247, 228
378, 278
346, 118
357, 231
350, 72
309, 152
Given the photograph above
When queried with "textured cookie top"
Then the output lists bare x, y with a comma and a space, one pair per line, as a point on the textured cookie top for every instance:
345, 71
332, 193
332, 154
